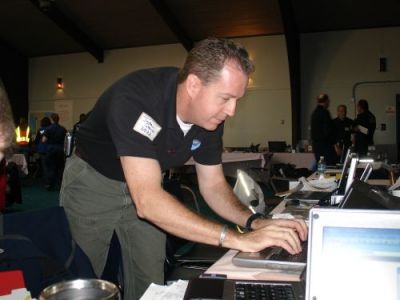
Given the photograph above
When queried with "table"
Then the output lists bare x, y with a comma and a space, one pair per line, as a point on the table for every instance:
231, 161
299, 159
229, 157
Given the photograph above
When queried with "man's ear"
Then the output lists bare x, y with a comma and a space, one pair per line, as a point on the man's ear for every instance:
193, 85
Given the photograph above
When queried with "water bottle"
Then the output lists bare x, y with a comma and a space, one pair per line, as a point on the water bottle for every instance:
321, 167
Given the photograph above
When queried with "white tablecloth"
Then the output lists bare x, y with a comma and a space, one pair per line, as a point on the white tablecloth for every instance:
300, 160
231, 161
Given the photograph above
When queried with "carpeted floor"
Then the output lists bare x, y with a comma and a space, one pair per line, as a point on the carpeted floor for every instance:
34, 196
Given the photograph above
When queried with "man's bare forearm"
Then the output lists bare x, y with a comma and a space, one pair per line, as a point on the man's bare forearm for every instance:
168, 213
162, 209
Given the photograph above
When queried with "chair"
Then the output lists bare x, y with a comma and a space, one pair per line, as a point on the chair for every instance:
40, 243
186, 259
249, 192
270, 182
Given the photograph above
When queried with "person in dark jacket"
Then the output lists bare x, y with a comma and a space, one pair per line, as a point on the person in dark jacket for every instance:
322, 131
41, 147
75, 129
343, 129
54, 136
365, 125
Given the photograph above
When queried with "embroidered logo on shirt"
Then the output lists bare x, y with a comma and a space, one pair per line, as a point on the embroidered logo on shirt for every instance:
145, 125
195, 144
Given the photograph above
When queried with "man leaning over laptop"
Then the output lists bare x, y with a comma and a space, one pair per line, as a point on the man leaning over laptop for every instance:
147, 122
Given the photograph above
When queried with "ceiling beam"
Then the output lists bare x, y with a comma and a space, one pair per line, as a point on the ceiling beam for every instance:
166, 14
49, 9
292, 37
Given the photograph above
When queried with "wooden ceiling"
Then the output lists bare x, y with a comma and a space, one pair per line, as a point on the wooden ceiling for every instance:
47, 27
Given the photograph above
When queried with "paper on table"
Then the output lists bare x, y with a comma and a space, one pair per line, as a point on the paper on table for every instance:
225, 266
323, 184
175, 291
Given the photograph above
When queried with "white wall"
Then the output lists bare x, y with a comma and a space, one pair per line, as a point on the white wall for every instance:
85, 79
260, 113
265, 111
333, 62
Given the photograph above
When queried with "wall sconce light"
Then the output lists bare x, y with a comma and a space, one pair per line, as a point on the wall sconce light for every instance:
60, 83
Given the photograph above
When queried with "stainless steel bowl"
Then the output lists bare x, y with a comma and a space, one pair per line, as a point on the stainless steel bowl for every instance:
81, 289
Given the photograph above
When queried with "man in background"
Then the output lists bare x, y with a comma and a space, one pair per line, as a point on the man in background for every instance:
323, 132
364, 128
54, 136
343, 130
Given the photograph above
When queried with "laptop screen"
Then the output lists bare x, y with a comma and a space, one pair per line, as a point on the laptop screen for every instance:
357, 255
342, 181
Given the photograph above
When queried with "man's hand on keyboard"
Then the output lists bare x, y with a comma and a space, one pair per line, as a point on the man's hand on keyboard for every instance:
282, 233
297, 224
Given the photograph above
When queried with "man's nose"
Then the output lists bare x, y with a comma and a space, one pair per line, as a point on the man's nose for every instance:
230, 107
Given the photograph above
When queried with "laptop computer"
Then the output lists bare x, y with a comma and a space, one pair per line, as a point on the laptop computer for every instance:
274, 258
278, 258
364, 196
213, 289
353, 254
360, 195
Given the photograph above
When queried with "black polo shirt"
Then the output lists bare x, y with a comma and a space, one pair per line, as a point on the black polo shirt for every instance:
55, 134
136, 116
362, 141
343, 129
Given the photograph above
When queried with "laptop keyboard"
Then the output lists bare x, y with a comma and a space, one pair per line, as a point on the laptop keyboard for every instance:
262, 291
283, 255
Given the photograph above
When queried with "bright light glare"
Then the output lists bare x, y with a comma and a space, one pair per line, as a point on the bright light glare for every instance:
244, 184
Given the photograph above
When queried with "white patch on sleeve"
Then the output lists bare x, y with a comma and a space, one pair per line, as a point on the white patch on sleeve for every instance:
145, 125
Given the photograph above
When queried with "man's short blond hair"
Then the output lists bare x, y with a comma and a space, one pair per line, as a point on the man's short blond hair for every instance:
209, 56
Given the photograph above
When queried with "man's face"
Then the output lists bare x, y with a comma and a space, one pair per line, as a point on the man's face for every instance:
215, 102
341, 112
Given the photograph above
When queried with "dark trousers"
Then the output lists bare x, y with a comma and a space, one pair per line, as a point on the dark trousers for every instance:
54, 164
327, 151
